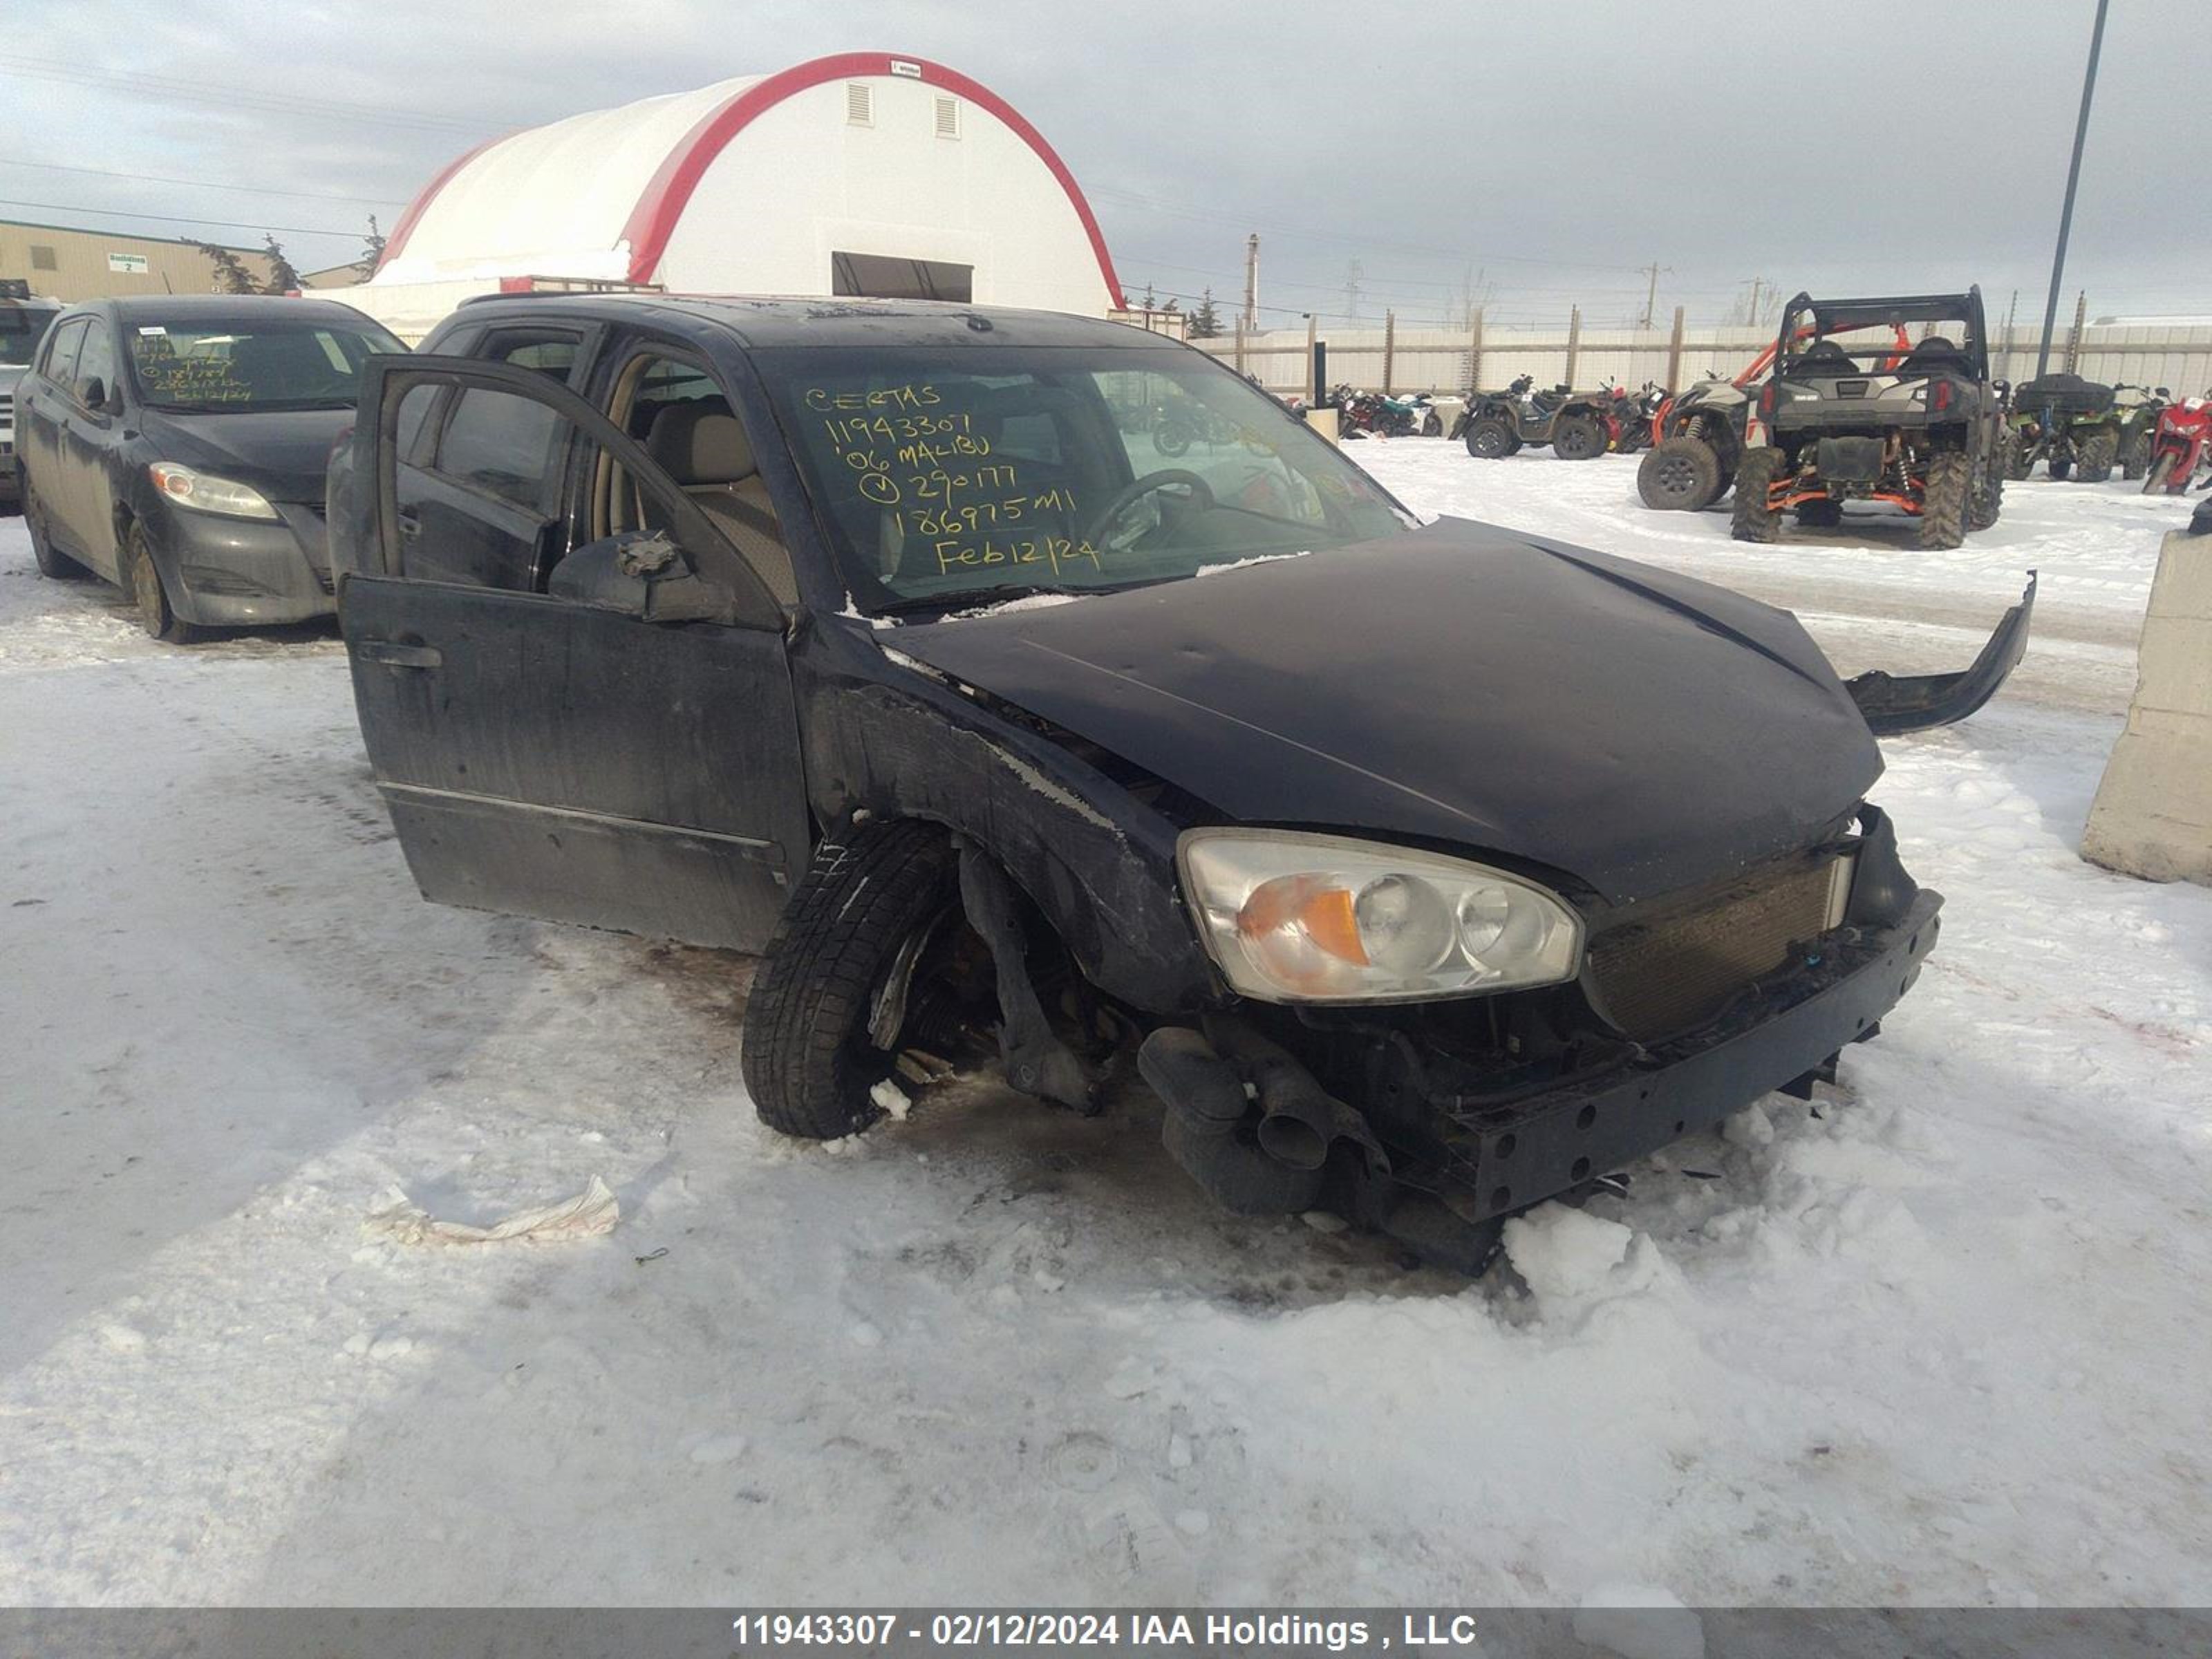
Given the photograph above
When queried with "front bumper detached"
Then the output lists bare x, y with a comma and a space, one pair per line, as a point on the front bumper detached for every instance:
1561, 1139
1480, 1157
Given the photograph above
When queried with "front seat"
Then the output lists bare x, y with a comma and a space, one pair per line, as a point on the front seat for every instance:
703, 447
1933, 355
1823, 360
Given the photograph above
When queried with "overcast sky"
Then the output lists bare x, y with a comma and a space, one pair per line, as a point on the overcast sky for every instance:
1549, 149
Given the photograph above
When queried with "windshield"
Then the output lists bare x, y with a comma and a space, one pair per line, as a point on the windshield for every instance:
219, 366
950, 476
20, 328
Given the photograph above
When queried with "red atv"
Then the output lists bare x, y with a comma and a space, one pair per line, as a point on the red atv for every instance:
2179, 447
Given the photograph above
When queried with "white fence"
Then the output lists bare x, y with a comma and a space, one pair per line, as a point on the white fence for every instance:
1453, 359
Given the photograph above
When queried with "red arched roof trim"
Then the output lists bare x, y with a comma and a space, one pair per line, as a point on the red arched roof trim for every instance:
652, 222
396, 243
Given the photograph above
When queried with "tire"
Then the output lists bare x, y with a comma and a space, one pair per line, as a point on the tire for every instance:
1986, 502
1490, 438
2135, 457
155, 614
53, 564
1820, 515
1754, 476
2161, 474
1578, 438
1171, 438
808, 1060
1682, 474
1943, 503
2014, 449
1432, 425
2095, 456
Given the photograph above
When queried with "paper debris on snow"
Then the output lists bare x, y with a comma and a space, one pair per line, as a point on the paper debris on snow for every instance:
589, 1214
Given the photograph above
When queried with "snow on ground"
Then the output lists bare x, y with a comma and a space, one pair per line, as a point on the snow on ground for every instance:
1941, 1338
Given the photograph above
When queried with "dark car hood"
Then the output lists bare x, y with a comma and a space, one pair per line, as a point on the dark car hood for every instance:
284, 454
1639, 730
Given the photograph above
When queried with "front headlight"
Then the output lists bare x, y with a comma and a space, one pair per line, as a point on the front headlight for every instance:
202, 492
1294, 917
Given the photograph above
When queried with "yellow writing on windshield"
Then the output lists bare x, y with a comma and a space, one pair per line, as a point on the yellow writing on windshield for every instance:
1054, 550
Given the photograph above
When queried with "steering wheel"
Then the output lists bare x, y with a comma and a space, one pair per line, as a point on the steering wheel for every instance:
1135, 491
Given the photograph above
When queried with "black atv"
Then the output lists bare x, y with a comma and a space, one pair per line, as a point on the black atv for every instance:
1575, 424
2065, 422
1920, 430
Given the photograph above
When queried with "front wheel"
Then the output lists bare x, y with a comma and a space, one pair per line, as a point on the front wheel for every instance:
1577, 438
1171, 438
2014, 449
867, 904
1987, 500
1681, 474
1489, 439
1755, 475
155, 614
2161, 481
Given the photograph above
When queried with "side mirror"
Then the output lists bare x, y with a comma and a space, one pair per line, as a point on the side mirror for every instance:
91, 391
641, 576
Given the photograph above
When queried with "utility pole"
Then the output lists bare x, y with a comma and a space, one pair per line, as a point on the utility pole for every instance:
2073, 178
1252, 284
1754, 303
1352, 275
1652, 297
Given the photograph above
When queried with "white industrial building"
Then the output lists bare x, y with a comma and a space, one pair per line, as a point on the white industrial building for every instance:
861, 174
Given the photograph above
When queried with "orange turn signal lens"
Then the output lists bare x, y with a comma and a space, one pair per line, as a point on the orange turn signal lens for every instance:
1321, 911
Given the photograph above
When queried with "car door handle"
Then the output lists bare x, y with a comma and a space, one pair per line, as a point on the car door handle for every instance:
393, 654
410, 526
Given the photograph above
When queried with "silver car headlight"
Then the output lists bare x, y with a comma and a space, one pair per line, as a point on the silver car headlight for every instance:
1290, 916
202, 492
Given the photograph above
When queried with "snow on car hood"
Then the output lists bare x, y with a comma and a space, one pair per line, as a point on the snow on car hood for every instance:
1642, 731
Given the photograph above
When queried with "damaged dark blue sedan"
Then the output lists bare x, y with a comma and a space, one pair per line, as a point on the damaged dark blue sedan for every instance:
1429, 873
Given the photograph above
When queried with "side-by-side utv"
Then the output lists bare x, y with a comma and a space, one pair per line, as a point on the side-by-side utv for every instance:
1850, 421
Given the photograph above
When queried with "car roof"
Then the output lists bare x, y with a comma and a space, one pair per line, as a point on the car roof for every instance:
137, 306
771, 323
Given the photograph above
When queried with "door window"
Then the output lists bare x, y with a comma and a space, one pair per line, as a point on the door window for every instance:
60, 363
676, 411
500, 444
97, 359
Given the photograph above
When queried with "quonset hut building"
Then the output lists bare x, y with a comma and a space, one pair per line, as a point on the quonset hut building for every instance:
863, 173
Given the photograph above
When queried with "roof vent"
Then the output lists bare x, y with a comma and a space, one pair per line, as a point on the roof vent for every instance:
859, 104
948, 117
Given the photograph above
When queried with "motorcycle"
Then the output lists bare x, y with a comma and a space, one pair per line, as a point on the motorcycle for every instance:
1578, 426
1633, 415
2182, 443
1370, 414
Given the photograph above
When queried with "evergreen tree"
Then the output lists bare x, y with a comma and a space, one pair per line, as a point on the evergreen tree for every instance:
1205, 321
231, 276
372, 251
283, 278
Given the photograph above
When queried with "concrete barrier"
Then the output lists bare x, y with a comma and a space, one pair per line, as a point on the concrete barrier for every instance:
1322, 421
2153, 814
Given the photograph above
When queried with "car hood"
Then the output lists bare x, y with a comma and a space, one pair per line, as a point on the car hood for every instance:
1641, 731
284, 454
